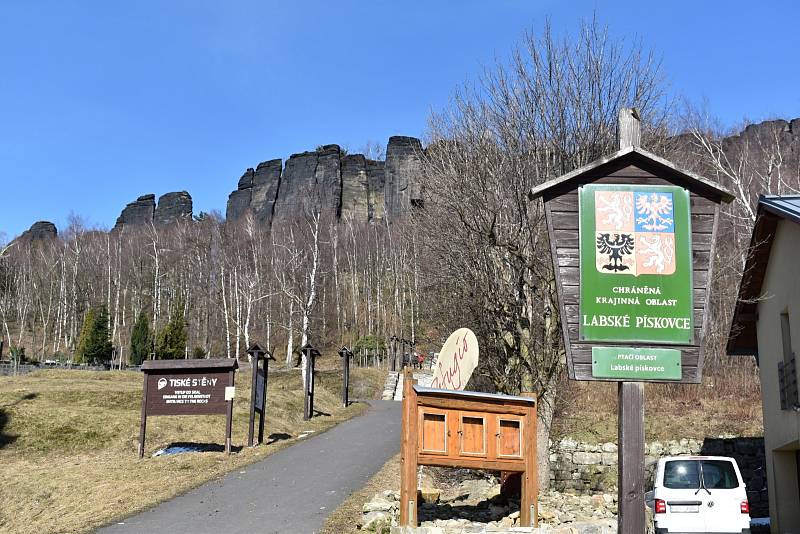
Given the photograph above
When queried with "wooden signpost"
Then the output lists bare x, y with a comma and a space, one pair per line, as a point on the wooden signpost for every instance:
346, 355
258, 391
632, 239
470, 430
310, 354
188, 387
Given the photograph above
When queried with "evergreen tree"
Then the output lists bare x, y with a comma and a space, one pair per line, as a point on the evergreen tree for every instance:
86, 334
94, 344
141, 340
171, 342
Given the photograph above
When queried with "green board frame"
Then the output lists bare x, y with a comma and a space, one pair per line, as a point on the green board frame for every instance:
639, 363
624, 297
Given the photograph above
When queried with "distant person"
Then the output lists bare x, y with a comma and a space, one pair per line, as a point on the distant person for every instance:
421, 359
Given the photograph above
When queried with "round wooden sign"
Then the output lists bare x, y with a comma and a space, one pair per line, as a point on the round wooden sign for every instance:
457, 360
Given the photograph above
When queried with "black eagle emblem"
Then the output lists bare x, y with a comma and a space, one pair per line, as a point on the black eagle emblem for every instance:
616, 246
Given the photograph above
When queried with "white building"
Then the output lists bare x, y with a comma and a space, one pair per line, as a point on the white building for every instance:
766, 324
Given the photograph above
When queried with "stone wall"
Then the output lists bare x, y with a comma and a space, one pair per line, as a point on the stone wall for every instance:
586, 468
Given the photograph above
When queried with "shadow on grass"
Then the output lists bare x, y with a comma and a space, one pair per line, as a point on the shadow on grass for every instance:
318, 413
277, 436
5, 438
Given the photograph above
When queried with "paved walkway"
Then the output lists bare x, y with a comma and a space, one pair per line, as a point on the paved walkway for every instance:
291, 491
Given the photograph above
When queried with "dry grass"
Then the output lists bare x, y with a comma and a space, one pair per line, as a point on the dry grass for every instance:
345, 519
68, 442
727, 403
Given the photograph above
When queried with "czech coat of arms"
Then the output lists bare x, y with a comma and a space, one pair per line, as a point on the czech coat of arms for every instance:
635, 232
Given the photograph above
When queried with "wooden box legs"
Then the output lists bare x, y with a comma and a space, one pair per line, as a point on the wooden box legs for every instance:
408, 454
528, 504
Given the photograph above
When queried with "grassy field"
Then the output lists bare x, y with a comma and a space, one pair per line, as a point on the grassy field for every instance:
68, 442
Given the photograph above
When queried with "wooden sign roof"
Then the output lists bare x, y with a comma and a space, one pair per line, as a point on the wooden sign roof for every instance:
211, 363
632, 155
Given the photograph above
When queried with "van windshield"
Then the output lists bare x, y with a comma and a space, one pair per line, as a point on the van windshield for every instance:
687, 474
682, 474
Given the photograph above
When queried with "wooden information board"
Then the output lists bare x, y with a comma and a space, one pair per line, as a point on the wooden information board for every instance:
632, 239
614, 290
470, 430
188, 387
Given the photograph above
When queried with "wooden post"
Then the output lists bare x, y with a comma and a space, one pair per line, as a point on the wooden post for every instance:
631, 458
629, 129
143, 424
229, 422
308, 406
267, 358
254, 357
345, 354
408, 454
307, 391
311, 385
529, 496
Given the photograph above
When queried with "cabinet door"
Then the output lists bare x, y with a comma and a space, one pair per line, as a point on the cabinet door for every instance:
433, 429
472, 434
509, 436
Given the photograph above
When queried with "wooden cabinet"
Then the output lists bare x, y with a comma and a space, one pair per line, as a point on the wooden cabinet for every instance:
472, 434
469, 430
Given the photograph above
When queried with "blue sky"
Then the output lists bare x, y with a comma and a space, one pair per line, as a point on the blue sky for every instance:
102, 101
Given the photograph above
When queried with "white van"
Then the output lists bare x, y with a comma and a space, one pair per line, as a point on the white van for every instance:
697, 494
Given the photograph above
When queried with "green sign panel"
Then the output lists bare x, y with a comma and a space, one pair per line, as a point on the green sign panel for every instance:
641, 363
635, 264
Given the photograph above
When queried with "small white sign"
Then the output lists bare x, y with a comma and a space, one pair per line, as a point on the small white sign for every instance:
230, 392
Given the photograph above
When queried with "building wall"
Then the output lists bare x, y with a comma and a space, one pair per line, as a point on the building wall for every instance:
781, 290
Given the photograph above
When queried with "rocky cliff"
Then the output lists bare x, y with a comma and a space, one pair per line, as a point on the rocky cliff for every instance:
335, 183
171, 207
352, 185
40, 230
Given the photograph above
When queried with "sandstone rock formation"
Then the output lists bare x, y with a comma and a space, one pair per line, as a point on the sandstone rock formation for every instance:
40, 230
355, 187
352, 186
403, 167
171, 207
138, 212
334, 183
